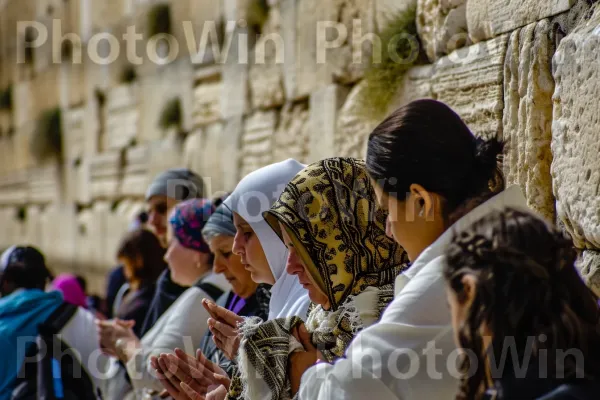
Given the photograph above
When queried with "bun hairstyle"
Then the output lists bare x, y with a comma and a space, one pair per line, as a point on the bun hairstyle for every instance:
527, 288
427, 143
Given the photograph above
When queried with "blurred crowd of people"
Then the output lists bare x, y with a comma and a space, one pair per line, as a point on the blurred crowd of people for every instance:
415, 274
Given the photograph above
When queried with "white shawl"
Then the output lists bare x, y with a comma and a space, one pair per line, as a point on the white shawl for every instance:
416, 323
254, 195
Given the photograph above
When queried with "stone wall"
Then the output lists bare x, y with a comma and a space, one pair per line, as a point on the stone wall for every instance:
524, 71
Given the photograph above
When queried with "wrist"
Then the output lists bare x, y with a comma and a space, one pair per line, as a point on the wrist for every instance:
126, 348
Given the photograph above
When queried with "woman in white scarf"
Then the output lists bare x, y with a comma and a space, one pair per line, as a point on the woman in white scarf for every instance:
254, 195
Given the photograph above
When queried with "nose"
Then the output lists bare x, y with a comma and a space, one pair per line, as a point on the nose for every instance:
388, 228
218, 265
293, 266
238, 244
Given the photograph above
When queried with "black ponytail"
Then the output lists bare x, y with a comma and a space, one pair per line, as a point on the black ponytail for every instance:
427, 143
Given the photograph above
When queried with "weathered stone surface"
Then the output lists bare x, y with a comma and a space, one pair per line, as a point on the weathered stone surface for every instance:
415, 85
527, 121
234, 97
589, 266
13, 187
207, 102
106, 171
257, 141
266, 72
213, 152
350, 60
353, 128
442, 26
575, 146
292, 138
122, 117
490, 18
136, 179
44, 184
157, 89
325, 105
23, 108
470, 80
165, 154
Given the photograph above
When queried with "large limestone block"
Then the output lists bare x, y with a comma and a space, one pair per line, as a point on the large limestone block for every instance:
13, 187
321, 57
292, 138
266, 72
234, 97
213, 152
325, 104
490, 18
165, 154
416, 85
106, 170
136, 179
470, 80
350, 60
44, 184
575, 139
353, 126
207, 101
122, 117
589, 266
157, 88
442, 26
23, 109
257, 141
73, 133
527, 120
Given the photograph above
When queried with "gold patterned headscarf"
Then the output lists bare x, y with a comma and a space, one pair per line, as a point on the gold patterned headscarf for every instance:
331, 215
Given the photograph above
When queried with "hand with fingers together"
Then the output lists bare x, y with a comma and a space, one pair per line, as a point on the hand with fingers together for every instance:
223, 325
300, 361
182, 375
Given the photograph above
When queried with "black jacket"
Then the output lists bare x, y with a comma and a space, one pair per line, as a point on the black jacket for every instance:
165, 295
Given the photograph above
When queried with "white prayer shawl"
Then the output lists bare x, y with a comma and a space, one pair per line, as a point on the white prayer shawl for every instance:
254, 195
410, 354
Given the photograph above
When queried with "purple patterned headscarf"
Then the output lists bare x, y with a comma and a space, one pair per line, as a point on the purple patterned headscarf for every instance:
187, 220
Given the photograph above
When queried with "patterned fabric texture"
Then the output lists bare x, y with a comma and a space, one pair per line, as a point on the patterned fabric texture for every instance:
188, 219
330, 213
331, 216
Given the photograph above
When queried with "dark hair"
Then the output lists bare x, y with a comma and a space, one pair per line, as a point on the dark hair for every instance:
82, 282
142, 217
143, 244
26, 269
427, 143
527, 288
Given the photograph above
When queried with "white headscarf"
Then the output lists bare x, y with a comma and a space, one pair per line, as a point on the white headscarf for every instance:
254, 195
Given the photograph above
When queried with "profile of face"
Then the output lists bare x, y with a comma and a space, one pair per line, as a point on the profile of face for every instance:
295, 266
230, 265
186, 265
248, 247
414, 223
159, 207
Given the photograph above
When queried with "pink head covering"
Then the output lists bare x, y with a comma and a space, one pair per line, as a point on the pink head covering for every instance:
72, 291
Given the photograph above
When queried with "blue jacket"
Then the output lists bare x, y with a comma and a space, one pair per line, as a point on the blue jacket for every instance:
20, 315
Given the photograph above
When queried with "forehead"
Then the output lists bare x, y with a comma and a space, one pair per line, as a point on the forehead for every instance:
238, 220
221, 241
155, 201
